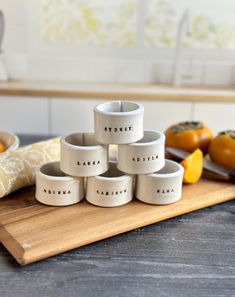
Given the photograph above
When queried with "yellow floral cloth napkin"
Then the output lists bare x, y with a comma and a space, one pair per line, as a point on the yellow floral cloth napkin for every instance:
17, 168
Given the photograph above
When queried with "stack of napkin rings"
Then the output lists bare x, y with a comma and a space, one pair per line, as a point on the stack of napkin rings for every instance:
85, 168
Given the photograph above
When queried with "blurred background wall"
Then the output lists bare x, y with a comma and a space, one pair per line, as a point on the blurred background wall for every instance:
129, 41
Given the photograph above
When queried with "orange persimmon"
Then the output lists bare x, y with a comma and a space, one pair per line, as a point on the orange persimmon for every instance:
2, 147
193, 167
222, 149
189, 136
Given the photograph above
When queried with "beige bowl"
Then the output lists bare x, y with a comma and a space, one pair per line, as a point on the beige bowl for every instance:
10, 140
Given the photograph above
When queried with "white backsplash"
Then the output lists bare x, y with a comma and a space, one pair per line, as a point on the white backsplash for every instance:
21, 66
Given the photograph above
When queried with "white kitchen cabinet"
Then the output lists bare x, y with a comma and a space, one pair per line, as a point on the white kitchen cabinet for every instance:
218, 116
24, 114
71, 115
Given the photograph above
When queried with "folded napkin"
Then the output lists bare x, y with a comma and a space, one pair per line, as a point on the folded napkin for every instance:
17, 168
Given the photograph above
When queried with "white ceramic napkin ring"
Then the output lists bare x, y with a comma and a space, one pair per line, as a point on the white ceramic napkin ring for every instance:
82, 155
53, 187
162, 187
145, 156
112, 188
118, 122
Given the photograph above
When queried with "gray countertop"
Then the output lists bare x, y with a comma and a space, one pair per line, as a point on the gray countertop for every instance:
192, 255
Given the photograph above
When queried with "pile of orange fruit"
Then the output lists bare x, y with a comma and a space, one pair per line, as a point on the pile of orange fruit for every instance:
198, 139
2, 147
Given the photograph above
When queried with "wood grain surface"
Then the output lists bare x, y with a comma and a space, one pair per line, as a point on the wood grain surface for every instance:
120, 91
190, 255
32, 231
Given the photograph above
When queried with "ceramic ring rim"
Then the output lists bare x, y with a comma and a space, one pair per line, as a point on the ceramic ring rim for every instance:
145, 156
50, 180
135, 111
82, 155
117, 178
51, 177
113, 178
118, 122
180, 171
156, 141
110, 184
64, 141
161, 188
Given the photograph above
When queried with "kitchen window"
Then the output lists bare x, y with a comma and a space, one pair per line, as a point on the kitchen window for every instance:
132, 29
134, 23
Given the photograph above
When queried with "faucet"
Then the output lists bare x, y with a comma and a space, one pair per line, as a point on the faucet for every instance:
184, 29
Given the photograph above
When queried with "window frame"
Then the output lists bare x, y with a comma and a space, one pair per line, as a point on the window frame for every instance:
139, 51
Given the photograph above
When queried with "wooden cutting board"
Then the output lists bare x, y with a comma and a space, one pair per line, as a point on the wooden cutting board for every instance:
32, 231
